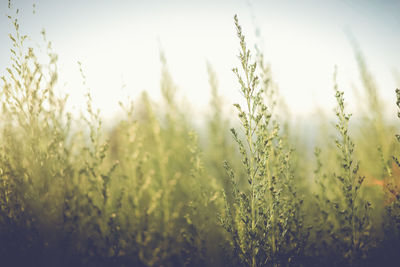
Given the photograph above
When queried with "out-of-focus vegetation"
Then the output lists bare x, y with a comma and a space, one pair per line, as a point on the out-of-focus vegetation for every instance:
150, 193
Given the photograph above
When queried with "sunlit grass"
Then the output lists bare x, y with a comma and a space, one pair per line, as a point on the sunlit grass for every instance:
157, 191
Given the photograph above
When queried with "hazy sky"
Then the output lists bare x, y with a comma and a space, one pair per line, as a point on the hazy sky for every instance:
118, 43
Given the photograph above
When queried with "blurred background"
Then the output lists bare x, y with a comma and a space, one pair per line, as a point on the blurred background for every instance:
118, 43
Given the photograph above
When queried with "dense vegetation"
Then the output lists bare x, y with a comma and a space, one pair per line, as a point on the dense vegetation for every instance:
154, 192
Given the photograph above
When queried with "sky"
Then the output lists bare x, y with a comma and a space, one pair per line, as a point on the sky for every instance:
118, 43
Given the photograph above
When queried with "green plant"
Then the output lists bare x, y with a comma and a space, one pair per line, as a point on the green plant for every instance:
352, 211
393, 208
260, 217
153, 191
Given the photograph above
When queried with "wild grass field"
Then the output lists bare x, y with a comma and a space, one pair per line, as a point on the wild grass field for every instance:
156, 191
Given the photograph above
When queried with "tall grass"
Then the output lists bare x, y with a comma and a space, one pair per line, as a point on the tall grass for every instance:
154, 191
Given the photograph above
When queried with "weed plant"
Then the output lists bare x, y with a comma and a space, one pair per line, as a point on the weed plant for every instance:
154, 191
260, 217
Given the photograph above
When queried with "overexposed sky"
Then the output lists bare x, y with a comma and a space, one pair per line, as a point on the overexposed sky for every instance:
118, 43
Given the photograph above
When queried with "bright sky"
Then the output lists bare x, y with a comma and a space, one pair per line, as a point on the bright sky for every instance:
118, 43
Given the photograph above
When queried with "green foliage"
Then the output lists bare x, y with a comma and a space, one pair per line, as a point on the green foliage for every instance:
263, 217
393, 209
153, 191
353, 214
